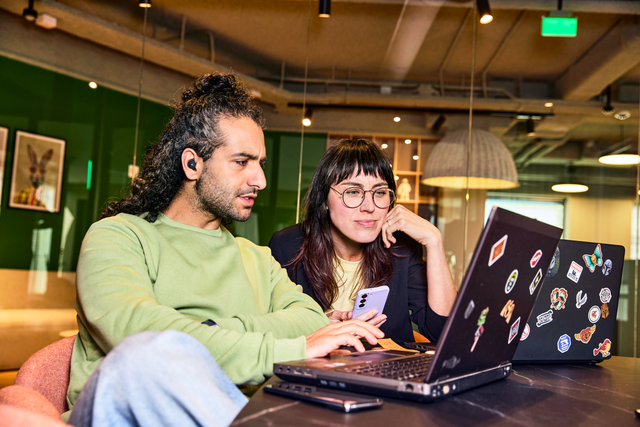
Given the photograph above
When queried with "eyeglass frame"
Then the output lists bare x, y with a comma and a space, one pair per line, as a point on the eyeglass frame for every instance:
364, 196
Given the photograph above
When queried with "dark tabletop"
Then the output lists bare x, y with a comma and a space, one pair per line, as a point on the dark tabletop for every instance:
600, 395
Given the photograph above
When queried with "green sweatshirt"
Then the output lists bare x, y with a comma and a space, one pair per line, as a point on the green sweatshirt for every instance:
135, 276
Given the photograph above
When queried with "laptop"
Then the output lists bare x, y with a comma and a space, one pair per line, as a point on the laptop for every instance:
480, 336
574, 318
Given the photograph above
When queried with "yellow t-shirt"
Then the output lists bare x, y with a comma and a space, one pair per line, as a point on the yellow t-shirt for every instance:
348, 284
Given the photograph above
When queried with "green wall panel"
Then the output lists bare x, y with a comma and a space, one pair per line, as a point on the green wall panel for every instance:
98, 125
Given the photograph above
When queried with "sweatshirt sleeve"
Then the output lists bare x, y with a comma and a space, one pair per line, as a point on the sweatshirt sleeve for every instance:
116, 299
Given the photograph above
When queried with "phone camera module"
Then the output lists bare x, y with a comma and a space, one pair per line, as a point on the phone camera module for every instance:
361, 305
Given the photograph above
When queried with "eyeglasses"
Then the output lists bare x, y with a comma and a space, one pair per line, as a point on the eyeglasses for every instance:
353, 197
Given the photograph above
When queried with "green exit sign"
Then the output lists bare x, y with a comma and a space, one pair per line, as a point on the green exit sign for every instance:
559, 24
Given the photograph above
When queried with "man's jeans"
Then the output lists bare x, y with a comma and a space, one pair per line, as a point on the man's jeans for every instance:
158, 379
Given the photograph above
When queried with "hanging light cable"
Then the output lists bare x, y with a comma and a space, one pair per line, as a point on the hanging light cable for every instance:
135, 139
304, 110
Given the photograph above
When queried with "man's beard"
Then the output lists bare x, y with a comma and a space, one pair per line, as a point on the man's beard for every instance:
218, 199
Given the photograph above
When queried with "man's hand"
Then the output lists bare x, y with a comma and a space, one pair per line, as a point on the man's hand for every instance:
329, 338
340, 316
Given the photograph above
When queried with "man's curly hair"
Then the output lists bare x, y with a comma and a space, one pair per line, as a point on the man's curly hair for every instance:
194, 125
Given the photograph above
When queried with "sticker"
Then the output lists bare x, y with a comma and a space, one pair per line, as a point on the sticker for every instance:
594, 314
451, 363
511, 282
507, 310
580, 300
585, 335
606, 267
469, 309
480, 330
555, 264
574, 271
605, 295
497, 250
594, 260
604, 310
525, 333
535, 258
564, 342
544, 318
536, 280
558, 298
514, 330
603, 348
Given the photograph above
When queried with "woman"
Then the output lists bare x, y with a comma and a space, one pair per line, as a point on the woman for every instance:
354, 238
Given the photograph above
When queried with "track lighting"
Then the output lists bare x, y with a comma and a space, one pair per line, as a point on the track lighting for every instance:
608, 109
324, 9
307, 118
531, 128
484, 11
435, 127
30, 13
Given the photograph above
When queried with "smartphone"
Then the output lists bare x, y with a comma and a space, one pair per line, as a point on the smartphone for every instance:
334, 399
368, 299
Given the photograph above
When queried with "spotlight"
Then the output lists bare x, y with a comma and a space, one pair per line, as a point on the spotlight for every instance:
531, 128
435, 127
384, 146
484, 11
407, 141
30, 13
416, 157
608, 110
93, 85
307, 118
144, 3
548, 104
396, 119
324, 9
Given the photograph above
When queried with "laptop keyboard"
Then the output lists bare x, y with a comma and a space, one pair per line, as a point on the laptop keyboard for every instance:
400, 369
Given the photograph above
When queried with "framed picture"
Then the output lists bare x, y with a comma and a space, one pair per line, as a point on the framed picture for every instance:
36, 178
4, 134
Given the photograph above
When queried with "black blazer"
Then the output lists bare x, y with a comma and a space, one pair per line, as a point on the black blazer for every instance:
408, 285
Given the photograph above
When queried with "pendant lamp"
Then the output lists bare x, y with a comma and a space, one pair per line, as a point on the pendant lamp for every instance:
491, 165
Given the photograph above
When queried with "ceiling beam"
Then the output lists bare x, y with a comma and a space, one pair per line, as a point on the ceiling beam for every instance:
412, 27
615, 54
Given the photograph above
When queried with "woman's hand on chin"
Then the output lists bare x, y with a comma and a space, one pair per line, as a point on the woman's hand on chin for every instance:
419, 229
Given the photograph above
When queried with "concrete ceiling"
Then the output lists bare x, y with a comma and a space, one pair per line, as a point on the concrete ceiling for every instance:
372, 60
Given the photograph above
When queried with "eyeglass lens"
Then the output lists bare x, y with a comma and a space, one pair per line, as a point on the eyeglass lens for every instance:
354, 196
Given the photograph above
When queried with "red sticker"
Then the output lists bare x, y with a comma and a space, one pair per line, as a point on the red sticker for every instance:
536, 257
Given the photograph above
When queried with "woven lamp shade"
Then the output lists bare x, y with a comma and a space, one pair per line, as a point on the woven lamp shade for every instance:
491, 165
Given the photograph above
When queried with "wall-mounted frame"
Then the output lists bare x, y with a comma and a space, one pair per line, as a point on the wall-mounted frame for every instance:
36, 178
4, 134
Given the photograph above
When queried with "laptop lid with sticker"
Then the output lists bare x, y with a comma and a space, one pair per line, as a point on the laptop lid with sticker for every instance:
574, 318
497, 295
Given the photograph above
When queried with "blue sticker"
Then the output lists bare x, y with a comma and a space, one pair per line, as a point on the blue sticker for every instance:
564, 342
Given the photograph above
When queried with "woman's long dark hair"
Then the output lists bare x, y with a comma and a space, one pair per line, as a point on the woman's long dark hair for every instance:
194, 125
317, 254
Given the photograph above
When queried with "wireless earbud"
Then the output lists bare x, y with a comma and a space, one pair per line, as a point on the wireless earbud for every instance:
192, 164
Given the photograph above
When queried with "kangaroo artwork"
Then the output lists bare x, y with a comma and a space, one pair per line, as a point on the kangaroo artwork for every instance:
37, 172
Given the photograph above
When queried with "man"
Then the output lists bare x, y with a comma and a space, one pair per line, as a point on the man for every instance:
159, 260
